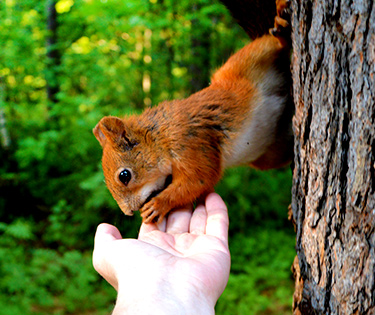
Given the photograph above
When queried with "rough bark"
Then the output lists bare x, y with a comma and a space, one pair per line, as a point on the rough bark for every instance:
333, 198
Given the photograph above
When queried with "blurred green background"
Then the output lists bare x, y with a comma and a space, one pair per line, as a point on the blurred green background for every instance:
59, 74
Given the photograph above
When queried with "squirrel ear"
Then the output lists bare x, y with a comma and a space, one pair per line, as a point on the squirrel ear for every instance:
110, 129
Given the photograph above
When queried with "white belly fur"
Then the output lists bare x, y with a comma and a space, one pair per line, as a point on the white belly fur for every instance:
259, 129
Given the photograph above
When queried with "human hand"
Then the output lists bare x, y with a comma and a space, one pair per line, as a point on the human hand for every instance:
178, 267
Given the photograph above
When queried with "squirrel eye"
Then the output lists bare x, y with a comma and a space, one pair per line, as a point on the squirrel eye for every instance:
125, 176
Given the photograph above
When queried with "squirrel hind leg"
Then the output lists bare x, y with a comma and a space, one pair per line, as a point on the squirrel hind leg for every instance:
282, 20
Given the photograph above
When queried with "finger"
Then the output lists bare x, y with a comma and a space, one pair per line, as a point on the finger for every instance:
217, 217
198, 220
161, 226
149, 227
105, 233
178, 220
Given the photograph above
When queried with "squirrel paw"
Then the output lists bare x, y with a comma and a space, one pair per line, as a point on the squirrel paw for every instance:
153, 211
281, 27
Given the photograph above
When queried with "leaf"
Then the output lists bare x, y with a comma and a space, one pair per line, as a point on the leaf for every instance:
64, 6
20, 229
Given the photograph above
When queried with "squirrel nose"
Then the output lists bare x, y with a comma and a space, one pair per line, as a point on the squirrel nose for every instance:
128, 212
126, 209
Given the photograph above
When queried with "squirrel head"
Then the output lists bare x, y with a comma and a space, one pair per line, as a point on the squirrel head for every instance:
134, 171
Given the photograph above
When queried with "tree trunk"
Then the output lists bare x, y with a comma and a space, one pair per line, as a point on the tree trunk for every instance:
5, 140
333, 197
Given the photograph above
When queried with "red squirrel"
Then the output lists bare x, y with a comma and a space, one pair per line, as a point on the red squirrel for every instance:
176, 152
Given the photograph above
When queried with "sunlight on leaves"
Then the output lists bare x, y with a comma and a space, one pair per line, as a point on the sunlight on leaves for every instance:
4, 71
29, 17
82, 46
179, 72
11, 80
64, 6
10, 3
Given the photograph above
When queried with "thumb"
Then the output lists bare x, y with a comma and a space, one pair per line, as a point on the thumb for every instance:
105, 234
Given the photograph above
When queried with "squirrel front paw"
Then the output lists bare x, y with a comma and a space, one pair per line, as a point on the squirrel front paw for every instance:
281, 27
154, 211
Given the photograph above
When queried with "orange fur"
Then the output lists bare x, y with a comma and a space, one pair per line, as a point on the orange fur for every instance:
180, 148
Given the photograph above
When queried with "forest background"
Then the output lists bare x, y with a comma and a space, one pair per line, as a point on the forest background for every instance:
113, 57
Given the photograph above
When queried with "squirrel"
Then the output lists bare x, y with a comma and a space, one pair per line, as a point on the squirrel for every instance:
174, 153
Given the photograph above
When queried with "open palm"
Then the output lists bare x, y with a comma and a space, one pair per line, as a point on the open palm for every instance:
187, 254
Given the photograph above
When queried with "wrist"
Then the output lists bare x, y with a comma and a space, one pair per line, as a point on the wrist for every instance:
163, 299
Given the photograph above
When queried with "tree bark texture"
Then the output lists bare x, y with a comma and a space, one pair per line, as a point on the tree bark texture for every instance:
333, 197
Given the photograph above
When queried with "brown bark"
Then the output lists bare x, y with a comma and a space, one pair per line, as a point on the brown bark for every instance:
334, 179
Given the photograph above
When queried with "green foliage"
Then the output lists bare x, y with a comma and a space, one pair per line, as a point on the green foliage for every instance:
254, 197
115, 57
45, 281
260, 280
